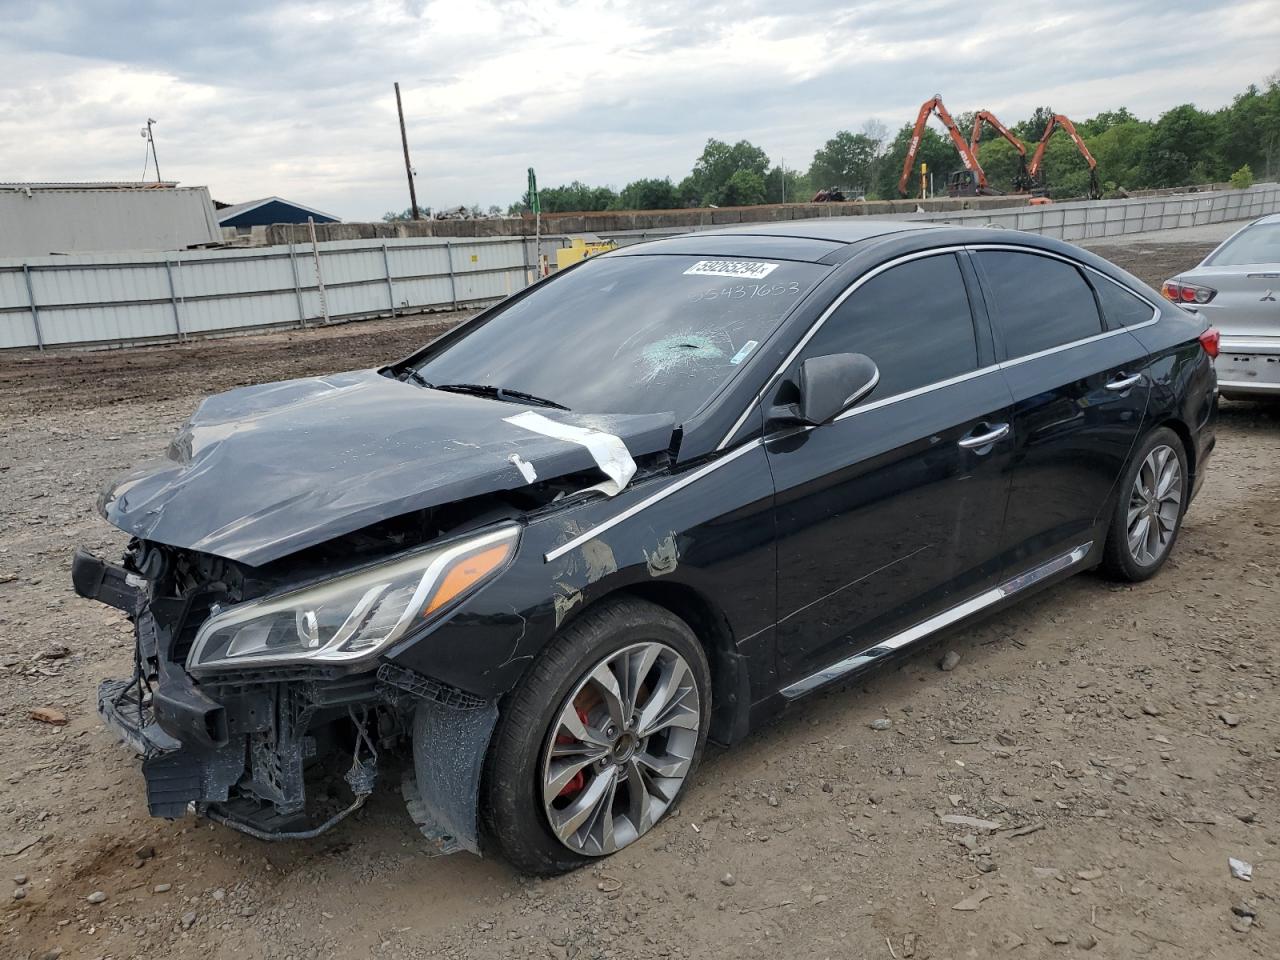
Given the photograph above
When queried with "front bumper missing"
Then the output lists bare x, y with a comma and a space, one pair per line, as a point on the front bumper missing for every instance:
246, 751
177, 775
253, 783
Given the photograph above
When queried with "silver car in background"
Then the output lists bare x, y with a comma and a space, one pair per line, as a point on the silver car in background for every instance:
1237, 289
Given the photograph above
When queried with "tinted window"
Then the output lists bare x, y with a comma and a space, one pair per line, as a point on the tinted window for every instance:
1259, 243
1119, 306
913, 320
633, 334
1039, 302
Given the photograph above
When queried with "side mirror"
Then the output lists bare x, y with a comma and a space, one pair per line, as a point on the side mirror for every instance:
828, 386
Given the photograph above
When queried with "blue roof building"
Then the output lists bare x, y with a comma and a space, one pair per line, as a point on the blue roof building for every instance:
269, 210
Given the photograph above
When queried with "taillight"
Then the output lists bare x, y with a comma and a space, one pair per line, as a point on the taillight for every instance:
1209, 340
1187, 292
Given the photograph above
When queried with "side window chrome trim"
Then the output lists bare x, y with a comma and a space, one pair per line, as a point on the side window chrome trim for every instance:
918, 255
1155, 309
1062, 347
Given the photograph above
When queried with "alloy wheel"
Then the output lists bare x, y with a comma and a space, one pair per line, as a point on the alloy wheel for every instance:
620, 748
1155, 505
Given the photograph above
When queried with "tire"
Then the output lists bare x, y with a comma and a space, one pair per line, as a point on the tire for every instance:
1122, 559
533, 751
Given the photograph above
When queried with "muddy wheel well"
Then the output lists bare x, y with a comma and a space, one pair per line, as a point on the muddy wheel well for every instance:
730, 687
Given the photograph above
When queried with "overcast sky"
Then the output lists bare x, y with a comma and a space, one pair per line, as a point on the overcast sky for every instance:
260, 97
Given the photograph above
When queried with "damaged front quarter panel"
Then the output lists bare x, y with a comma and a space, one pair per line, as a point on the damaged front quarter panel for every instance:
268, 489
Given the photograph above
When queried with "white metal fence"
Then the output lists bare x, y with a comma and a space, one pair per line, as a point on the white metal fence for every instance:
1080, 220
1092, 220
139, 297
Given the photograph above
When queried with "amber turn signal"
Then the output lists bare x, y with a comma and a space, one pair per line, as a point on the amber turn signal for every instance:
467, 572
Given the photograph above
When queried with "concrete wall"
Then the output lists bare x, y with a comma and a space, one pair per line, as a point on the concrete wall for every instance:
46, 221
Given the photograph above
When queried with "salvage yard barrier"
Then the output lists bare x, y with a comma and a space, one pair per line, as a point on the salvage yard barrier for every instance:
1083, 219
121, 299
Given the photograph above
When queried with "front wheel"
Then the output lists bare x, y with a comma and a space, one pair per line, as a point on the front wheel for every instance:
1149, 510
599, 740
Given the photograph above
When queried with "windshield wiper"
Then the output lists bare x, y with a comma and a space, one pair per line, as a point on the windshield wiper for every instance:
417, 378
498, 393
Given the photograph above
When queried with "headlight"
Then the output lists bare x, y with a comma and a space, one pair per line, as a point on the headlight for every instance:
353, 617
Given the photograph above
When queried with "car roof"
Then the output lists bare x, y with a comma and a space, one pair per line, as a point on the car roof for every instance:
833, 229
804, 240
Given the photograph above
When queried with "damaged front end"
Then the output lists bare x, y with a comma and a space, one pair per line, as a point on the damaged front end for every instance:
262, 705
296, 557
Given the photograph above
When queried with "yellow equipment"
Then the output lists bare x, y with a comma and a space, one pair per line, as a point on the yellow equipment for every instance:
580, 248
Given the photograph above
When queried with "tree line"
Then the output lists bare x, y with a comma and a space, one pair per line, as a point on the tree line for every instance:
1184, 145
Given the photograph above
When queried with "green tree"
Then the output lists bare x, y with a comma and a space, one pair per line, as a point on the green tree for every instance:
648, 194
1030, 131
1105, 121
844, 161
1242, 179
797, 188
1119, 151
1184, 141
714, 169
744, 188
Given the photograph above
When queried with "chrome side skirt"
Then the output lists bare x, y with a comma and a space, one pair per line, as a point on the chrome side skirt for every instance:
939, 621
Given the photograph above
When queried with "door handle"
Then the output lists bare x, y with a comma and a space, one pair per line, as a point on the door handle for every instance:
996, 432
1124, 383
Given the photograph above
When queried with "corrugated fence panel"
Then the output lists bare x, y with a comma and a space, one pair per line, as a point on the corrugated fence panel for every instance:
140, 296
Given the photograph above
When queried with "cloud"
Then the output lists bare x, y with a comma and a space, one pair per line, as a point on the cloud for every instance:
295, 99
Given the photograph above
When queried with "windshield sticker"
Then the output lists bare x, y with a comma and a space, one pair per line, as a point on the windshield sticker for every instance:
743, 269
743, 353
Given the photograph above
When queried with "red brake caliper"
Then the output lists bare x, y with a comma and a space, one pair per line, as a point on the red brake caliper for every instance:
579, 779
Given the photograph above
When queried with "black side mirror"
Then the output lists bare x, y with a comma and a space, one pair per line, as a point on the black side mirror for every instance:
828, 386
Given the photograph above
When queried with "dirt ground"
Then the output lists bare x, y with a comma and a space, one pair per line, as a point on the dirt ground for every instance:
1122, 742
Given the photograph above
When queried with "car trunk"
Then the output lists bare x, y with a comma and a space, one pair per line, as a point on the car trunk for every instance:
1247, 303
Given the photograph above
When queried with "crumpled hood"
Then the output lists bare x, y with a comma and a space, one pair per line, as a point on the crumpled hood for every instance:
260, 472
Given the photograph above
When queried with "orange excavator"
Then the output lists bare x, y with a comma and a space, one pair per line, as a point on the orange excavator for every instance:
1022, 180
1056, 121
970, 181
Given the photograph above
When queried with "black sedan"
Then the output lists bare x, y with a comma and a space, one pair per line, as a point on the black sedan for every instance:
640, 505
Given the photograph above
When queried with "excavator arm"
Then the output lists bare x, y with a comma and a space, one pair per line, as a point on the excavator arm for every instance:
1022, 179
1056, 121
966, 156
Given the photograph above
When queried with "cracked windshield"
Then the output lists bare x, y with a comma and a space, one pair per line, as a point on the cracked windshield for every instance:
630, 334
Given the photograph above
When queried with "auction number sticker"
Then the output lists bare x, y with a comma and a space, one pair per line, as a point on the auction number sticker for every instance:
743, 269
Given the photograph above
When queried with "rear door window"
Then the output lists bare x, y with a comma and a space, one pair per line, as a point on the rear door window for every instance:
913, 320
1040, 302
1120, 307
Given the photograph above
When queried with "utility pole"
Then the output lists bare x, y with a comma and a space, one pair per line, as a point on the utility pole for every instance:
152, 140
408, 167
784, 179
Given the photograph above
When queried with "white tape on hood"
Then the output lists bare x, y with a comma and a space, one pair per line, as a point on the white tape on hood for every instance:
610, 453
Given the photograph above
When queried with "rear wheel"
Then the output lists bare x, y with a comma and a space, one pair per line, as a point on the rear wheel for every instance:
1149, 510
599, 740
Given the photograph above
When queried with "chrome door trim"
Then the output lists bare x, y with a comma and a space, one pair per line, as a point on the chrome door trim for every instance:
650, 500
935, 623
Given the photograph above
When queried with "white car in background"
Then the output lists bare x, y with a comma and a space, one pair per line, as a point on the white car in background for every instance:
1237, 289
